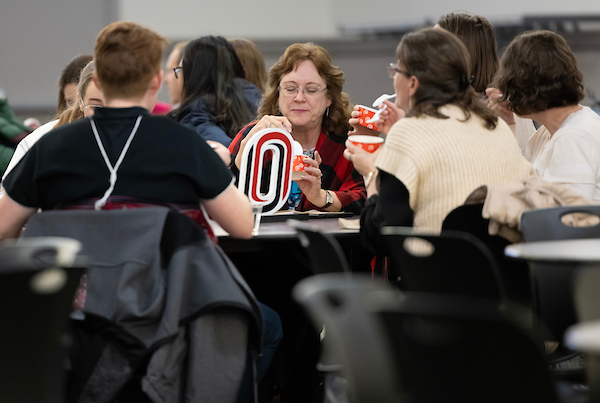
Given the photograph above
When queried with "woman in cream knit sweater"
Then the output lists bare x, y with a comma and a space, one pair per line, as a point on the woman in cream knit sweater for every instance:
448, 144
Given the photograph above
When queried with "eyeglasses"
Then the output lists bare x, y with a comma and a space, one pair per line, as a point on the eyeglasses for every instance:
309, 90
94, 106
393, 69
177, 70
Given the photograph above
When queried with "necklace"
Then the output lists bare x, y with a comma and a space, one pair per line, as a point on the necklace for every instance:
112, 169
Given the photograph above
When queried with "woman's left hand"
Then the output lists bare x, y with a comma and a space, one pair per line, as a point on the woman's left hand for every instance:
363, 161
310, 184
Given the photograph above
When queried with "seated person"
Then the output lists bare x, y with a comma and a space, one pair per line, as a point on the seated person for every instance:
252, 61
90, 97
174, 85
538, 79
12, 130
448, 144
305, 98
123, 156
479, 37
67, 84
216, 100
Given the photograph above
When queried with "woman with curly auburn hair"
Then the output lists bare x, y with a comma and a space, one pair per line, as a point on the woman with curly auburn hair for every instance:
539, 79
305, 97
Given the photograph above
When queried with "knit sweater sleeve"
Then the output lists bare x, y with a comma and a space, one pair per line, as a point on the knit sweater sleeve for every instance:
398, 159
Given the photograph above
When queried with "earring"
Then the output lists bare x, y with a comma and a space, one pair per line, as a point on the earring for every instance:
327, 112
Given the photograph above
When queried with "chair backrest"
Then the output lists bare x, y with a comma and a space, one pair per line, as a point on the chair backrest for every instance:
546, 224
515, 273
154, 275
425, 347
357, 338
587, 297
324, 252
38, 279
553, 284
458, 264
465, 351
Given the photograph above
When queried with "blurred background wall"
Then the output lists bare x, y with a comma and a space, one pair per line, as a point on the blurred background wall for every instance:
37, 39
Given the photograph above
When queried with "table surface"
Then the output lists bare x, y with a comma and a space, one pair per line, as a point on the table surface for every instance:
571, 250
584, 337
282, 230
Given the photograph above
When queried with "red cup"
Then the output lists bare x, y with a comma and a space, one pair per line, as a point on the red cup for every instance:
366, 114
298, 167
367, 143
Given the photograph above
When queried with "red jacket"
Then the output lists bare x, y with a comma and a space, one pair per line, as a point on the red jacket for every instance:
339, 174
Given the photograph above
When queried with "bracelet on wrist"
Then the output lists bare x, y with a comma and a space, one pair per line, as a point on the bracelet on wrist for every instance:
368, 178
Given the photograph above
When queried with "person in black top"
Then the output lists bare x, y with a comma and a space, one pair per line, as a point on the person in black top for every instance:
123, 152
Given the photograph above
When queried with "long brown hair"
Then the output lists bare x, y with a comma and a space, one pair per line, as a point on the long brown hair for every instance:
441, 63
479, 37
252, 61
339, 112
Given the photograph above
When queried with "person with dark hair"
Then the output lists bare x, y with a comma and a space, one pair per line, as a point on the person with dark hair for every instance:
479, 37
126, 158
174, 85
448, 144
252, 61
67, 84
127, 61
538, 79
216, 100
305, 98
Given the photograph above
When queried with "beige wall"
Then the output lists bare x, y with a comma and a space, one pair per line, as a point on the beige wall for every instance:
38, 38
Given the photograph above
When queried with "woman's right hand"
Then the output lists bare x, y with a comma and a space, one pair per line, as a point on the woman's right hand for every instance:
500, 108
387, 118
358, 128
267, 121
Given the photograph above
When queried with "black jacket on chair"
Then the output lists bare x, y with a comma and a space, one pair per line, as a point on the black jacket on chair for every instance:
154, 283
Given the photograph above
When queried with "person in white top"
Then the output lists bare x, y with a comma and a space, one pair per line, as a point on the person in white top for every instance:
538, 79
90, 99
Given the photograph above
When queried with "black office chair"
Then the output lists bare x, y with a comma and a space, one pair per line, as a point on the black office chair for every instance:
547, 224
324, 252
325, 256
38, 279
162, 300
514, 273
422, 347
458, 264
553, 283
